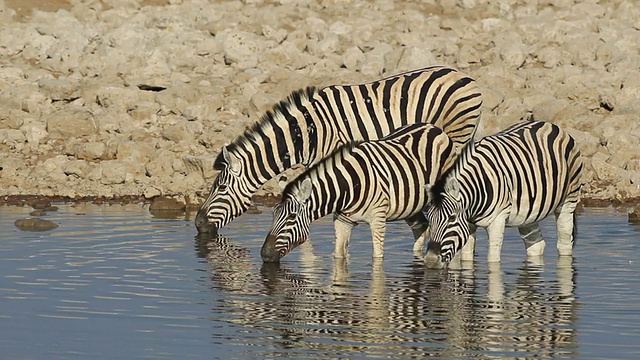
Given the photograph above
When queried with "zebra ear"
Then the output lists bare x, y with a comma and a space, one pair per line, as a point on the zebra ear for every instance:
232, 161
428, 188
303, 192
282, 183
452, 187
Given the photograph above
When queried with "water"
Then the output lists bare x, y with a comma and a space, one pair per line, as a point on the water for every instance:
116, 282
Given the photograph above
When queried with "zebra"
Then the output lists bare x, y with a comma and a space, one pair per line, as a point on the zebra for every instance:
363, 181
311, 123
516, 177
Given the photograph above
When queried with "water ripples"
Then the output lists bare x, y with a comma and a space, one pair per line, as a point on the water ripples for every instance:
114, 281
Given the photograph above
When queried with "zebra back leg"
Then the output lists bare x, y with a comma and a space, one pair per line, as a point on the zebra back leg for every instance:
565, 224
420, 227
342, 226
466, 254
532, 237
495, 232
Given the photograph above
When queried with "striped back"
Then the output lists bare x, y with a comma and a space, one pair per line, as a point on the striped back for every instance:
311, 123
437, 95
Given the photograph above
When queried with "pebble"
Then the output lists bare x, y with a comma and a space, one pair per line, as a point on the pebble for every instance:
166, 203
35, 224
39, 212
634, 215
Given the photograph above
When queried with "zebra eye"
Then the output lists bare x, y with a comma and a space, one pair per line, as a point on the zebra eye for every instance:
292, 216
451, 218
222, 188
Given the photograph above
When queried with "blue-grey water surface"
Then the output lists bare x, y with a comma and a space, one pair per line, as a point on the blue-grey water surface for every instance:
115, 282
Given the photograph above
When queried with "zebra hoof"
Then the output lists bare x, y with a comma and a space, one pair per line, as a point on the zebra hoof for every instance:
535, 260
536, 249
565, 252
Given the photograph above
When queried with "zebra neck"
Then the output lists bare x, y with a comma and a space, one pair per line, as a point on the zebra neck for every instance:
326, 201
320, 209
465, 171
284, 137
476, 186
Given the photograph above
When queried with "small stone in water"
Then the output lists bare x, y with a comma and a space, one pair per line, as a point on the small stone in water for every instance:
634, 215
35, 224
39, 212
40, 204
166, 203
167, 208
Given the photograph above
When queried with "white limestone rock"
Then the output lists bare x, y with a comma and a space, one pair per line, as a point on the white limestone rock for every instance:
70, 122
115, 81
414, 57
59, 89
241, 48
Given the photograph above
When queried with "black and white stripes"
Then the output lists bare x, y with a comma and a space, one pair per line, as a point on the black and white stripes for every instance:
311, 123
373, 181
516, 177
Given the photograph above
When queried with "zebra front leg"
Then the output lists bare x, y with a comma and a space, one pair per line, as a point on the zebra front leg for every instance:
419, 226
342, 226
532, 237
565, 218
466, 254
378, 227
495, 232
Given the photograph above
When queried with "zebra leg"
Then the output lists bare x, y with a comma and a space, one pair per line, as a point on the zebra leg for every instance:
419, 226
466, 254
378, 227
495, 232
342, 226
565, 224
340, 271
532, 237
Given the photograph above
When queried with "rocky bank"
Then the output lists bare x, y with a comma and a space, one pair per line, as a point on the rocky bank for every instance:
117, 98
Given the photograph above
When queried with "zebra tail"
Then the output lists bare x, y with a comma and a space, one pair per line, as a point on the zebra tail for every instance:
478, 130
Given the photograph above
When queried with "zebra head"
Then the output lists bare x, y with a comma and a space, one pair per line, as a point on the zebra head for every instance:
291, 221
229, 197
448, 223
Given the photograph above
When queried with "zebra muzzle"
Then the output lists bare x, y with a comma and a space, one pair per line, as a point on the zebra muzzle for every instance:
268, 252
433, 257
203, 225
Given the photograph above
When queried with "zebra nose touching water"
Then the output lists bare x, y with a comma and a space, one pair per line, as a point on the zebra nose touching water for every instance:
311, 123
374, 182
516, 177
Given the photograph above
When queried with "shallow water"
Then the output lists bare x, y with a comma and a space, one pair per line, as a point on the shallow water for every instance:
116, 282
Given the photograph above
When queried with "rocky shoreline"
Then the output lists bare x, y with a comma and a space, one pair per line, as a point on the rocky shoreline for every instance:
128, 101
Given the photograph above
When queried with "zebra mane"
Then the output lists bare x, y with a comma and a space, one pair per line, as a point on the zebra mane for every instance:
437, 190
339, 152
295, 99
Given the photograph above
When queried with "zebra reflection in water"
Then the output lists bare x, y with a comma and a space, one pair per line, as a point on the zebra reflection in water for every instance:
534, 318
231, 265
329, 309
